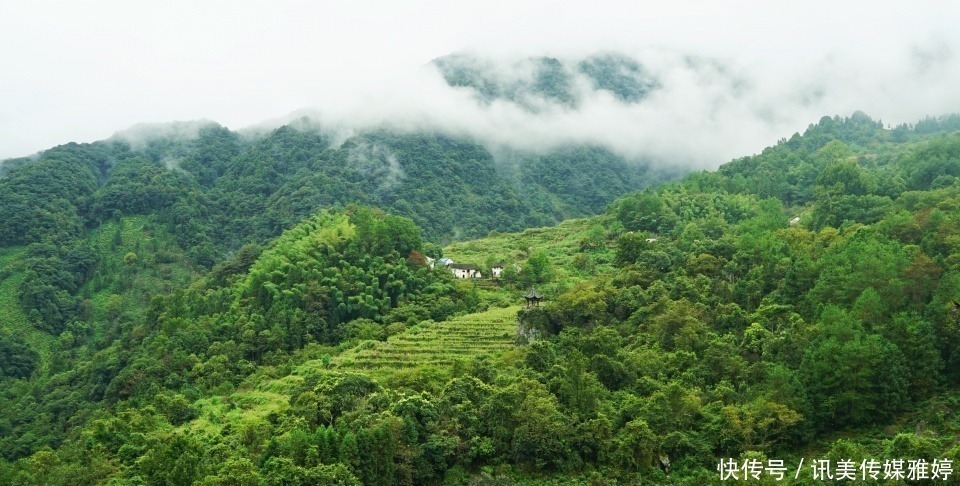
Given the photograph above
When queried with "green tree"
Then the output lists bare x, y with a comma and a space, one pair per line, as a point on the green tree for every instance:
537, 270
540, 438
853, 377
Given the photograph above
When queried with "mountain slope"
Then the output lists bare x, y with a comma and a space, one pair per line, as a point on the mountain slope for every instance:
217, 191
434, 344
795, 304
537, 83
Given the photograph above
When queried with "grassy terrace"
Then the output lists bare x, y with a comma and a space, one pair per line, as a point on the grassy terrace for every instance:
561, 243
434, 343
12, 318
391, 362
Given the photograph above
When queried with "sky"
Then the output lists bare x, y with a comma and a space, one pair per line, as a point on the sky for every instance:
81, 71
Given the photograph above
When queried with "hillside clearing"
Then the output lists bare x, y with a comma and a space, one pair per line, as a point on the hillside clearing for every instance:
434, 343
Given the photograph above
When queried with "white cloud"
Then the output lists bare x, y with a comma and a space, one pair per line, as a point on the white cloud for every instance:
80, 72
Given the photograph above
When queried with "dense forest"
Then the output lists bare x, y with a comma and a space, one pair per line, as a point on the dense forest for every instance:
228, 311
217, 190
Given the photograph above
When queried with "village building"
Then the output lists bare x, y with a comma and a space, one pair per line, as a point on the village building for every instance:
442, 262
464, 270
497, 270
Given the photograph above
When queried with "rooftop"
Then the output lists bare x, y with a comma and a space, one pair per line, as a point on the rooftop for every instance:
533, 294
463, 266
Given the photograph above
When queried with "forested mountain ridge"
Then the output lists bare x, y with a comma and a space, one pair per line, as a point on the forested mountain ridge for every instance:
752, 312
214, 191
219, 190
534, 81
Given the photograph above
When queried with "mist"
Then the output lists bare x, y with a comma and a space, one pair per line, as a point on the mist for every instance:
726, 80
702, 111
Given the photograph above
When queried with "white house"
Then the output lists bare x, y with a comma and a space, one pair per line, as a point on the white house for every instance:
497, 270
464, 270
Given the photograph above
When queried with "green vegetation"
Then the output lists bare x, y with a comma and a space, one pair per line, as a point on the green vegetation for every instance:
216, 192
429, 345
576, 250
531, 81
538, 77
14, 325
796, 304
622, 76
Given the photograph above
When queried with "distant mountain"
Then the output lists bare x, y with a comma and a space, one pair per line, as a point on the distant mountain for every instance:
534, 81
219, 190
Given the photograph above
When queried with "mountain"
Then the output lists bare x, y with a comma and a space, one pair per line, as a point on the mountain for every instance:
794, 304
531, 82
220, 190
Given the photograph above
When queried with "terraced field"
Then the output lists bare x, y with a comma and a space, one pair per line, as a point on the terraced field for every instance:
12, 318
438, 343
435, 343
562, 244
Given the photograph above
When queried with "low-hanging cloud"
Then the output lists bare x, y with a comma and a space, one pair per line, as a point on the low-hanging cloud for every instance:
375, 162
140, 135
698, 111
